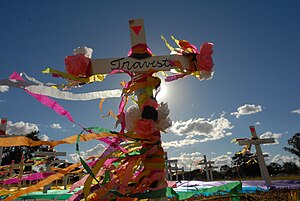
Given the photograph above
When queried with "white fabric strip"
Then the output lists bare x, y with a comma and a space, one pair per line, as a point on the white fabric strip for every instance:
55, 93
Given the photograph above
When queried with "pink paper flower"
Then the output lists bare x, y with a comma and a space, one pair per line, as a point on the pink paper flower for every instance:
206, 48
145, 127
78, 65
204, 59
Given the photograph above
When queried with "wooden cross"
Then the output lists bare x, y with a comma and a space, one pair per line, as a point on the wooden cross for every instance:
257, 142
137, 36
49, 161
19, 167
208, 168
169, 168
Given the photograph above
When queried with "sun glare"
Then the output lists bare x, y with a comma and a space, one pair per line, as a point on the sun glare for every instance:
162, 94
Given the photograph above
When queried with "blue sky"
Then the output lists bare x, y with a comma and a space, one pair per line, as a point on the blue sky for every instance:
256, 80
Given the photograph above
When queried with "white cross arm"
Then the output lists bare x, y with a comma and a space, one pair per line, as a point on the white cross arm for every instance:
161, 63
257, 142
172, 161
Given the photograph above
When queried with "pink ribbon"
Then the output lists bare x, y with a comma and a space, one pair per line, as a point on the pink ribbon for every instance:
32, 177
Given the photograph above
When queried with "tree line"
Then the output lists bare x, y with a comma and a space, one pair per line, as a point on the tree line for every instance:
243, 165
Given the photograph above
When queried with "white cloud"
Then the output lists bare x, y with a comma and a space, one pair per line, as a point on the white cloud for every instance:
222, 160
283, 159
75, 157
44, 137
4, 88
210, 129
247, 109
179, 143
21, 128
257, 123
269, 134
188, 160
95, 151
56, 126
296, 111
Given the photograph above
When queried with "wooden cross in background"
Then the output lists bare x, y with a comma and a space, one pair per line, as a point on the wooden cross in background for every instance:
208, 168
257, 142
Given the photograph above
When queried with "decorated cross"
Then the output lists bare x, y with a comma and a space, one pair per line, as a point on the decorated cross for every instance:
255, 140
141, 175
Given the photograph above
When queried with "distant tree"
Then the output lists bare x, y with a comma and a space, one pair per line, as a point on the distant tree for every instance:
15, 153
245, 163
295, 143
226, 171
290, 168
275, 168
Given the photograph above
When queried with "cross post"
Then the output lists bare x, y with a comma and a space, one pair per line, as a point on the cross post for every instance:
257, 142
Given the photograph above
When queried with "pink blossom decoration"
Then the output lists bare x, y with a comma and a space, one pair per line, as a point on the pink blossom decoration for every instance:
145, 127
78, 65
204, 59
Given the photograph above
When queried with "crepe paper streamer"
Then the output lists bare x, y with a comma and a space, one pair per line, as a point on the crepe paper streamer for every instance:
101, 103
95, 170
13, 83
56, 93
32, 177
78, 183
112, 142
42, 183
110, 113
24, 141
34, 80
45, 100
56, 73
99, 129
175, 77
52, 104
86, 167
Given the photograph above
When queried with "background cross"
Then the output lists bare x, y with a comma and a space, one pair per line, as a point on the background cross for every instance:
257, 142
